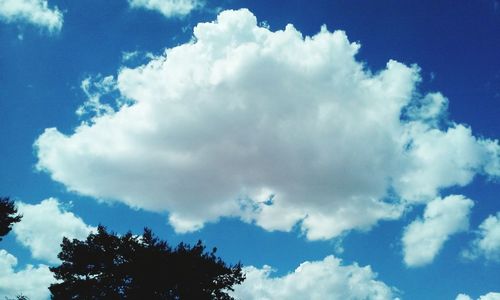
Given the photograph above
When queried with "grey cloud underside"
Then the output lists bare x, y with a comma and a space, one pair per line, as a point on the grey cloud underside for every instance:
242, 115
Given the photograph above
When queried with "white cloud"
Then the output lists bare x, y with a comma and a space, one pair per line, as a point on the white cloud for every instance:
43, 227
487, 243
130, 55
489, 296
31, 281
169, 8
94, 89
242, 115
443, 159
423, 239
35, 12
314, 280
430, 107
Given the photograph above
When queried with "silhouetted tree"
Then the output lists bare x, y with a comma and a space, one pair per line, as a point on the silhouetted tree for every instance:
108, 266
8, 216
18, 297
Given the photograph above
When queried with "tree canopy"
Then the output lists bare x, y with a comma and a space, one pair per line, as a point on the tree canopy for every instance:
109, 266
8, 216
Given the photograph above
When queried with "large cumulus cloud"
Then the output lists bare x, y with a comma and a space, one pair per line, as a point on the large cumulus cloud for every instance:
275, 128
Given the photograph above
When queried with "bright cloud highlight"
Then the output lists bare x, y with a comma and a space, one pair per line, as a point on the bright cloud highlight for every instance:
314, 280
34, 12
43, 227
423, 239
274, 128
168, 8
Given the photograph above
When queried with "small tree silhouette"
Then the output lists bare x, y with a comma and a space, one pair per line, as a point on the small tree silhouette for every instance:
108, 266
18, 297
8, 216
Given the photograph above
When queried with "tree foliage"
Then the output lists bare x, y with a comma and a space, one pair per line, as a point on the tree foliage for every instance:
8, 216
108, 266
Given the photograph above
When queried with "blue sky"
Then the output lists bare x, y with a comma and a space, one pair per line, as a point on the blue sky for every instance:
359, 142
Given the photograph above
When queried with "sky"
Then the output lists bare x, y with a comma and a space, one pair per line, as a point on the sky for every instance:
338, 149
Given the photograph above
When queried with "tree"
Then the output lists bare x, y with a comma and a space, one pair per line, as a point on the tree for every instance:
8, 216
18, 297
108, 266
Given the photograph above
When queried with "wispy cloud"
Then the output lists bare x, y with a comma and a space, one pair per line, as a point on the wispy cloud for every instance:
168, 8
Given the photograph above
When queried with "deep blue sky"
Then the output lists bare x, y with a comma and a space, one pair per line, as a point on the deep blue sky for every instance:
455, 43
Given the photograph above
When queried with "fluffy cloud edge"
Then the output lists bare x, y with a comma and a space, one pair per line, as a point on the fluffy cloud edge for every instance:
31, 281
34, 12
488, 296
487, 241
313, 280
43, 227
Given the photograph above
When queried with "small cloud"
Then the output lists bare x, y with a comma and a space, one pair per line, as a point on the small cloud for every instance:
136, 58
127, 56
423, 239
34, 12
168, 8
432, 76
487, 242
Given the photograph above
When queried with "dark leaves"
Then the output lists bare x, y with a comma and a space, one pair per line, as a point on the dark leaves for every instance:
107, 266
8, 216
